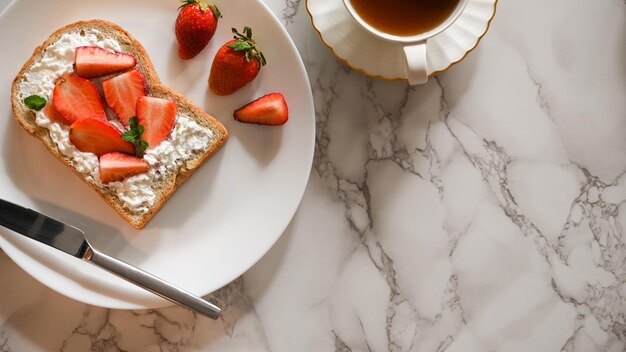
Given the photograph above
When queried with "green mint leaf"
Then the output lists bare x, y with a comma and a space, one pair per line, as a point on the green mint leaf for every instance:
133, 135
133, 122
35, 102
129, 136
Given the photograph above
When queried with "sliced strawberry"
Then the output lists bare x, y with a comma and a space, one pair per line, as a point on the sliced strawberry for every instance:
98, 136
270, 109
54, 115
118, 166
93, 61
121, 93
77, 98
158, 117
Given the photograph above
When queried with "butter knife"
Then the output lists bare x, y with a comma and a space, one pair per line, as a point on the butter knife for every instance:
72, 241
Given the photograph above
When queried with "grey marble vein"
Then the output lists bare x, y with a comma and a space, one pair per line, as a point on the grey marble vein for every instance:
4, 342
479, 212
290, 11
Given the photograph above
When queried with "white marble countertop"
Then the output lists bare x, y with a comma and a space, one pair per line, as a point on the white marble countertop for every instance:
484, 211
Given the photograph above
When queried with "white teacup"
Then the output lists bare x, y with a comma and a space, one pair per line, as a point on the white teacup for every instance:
414, 46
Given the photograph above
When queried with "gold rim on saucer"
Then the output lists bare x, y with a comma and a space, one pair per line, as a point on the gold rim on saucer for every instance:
347, 63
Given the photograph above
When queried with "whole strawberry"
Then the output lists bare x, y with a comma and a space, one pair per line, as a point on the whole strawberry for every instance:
236, 64
195, 26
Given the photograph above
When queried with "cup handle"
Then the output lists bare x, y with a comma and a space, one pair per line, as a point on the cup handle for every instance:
416, 63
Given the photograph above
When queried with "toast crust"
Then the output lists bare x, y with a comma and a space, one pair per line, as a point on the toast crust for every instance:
26, 118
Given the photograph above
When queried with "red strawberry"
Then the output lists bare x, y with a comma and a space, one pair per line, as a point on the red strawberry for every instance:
118, 166
158, 117
121, 93
77, 98
236, 64
98, 136
270, 109
54, 115
195, 26
92, 61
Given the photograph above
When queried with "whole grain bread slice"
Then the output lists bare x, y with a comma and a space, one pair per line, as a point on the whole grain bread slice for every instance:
164, 188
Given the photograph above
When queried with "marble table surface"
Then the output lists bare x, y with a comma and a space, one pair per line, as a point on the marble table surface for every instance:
483, 211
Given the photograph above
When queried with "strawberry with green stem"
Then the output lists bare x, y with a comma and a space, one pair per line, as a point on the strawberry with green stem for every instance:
236, 63
195, 26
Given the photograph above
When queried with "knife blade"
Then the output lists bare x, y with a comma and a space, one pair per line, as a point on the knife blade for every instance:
72, 241
44, 229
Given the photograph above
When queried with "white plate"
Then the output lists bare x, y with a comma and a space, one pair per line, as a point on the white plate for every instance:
356, 47
218, 224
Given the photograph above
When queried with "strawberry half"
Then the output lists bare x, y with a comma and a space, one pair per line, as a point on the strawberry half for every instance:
98, 136
236, 64
76, 98
54, 115
122, 91
158, 117
195, 26
270, 109
118, 166
93, 61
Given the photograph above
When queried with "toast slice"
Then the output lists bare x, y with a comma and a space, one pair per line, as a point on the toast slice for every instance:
138, 198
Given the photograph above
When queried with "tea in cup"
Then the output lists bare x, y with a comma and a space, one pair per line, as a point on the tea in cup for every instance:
408, 22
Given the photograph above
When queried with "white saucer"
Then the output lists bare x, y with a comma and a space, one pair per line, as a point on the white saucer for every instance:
357, 48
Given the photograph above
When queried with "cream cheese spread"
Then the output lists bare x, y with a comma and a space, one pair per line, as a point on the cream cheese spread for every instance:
58, 58
186, 140
138, 193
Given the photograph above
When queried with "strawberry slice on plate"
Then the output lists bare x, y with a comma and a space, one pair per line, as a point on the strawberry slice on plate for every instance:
118, 166
270, 109
98, 136
54, 115
158, 117
76, 98
122, 91
93, 61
